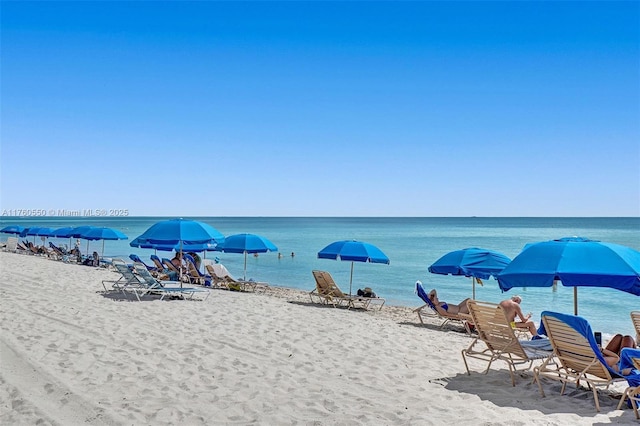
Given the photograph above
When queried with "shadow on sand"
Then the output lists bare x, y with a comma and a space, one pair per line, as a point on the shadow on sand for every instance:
495, 387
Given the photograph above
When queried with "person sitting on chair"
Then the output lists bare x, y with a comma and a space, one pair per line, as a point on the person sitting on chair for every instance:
512, 310
460, 308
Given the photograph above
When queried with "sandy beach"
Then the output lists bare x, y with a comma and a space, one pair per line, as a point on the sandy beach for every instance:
72, 354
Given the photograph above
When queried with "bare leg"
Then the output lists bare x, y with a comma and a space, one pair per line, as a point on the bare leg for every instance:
462, 306
614, 344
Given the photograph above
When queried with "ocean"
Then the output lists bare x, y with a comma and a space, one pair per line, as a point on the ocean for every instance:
412, 244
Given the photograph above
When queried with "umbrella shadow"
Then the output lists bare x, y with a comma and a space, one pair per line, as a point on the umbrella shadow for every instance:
120, 297
435, 327
325, 306
495, 387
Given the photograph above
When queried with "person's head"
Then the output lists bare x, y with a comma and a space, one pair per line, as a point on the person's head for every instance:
433, 294
178, 255
516, 299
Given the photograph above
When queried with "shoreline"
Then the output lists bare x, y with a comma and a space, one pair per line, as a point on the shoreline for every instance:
71, 355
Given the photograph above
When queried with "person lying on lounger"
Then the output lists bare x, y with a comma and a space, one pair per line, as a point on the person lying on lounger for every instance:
612, 351
460, 308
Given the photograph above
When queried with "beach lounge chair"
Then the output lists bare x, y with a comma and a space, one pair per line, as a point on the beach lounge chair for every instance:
194, 275
221, 278
218, 275
328, 292
136, 258
12, 244
635, 319
127, 277
630, 358
151, 285
58, 253
576, 357
156, 261
430, 309
500, 341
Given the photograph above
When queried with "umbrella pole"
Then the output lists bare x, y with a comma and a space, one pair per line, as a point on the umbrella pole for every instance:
102, 248
244, 276
350, 278
575, 300
473, 282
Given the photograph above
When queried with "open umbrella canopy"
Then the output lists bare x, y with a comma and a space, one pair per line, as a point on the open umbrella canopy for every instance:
182, 235
78, 231
12, 229
177, 231
37, 230
103, 233
246, 243
575, 262
186, 247
353, 251
65, 232
471, 262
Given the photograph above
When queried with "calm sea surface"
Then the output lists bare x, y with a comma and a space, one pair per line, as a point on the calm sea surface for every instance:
412, 244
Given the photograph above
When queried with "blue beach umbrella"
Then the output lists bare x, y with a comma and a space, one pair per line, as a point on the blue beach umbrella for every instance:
103, 234
177, 231
36, 231
473, 262
246, 243
575, 262
77, 233
65, 232
180, 235
353, 251
12, 229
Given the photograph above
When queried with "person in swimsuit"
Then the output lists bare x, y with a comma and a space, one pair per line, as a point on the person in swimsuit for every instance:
460, 308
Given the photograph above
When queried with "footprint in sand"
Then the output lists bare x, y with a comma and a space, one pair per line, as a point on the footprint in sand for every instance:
49, 388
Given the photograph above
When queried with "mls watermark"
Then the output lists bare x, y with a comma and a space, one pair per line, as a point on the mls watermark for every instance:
66, 212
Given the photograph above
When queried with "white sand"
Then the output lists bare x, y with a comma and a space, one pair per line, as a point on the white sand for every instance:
70, 356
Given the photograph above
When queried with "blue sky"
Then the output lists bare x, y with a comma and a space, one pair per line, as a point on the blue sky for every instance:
322, 108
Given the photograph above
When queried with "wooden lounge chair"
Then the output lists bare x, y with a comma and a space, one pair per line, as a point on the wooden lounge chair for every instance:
222, 279
500, 341
328, 292
576, 356
194, 275
431, 310
635, 318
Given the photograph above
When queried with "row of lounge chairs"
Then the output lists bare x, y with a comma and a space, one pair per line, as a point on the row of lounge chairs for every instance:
217, 275
569, 355
52, 251
140, 282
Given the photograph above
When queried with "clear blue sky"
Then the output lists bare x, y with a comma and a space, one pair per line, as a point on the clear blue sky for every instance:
322, 109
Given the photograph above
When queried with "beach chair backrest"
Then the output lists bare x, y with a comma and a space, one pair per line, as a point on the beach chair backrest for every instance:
156, 261
148, 279
635, 318
575, 350
494, 329
325, 284
424, 296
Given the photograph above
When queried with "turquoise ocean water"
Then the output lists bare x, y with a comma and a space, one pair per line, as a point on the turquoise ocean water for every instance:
412, 244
